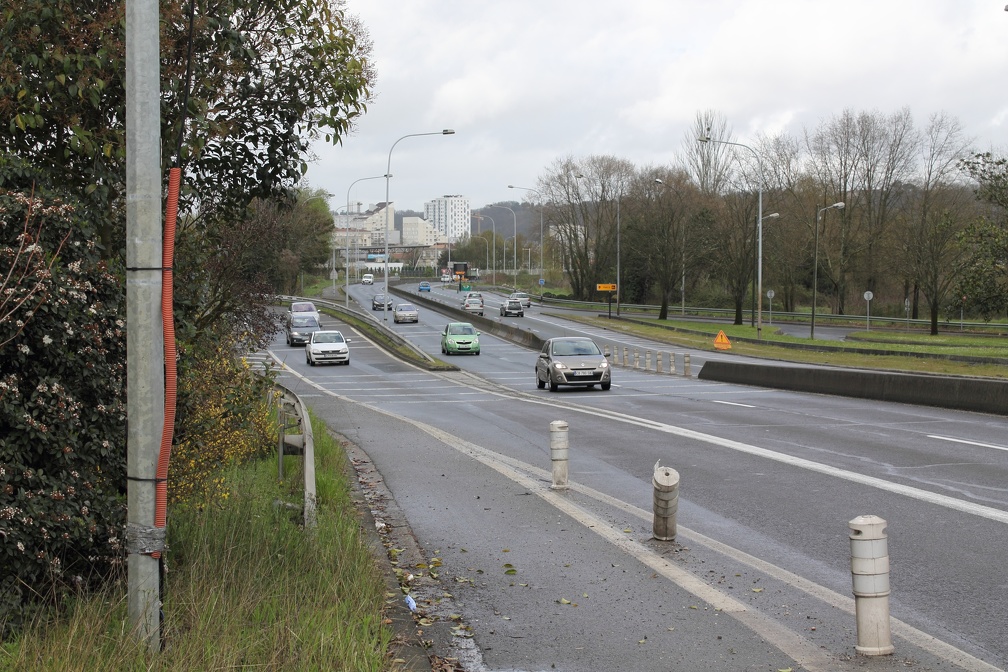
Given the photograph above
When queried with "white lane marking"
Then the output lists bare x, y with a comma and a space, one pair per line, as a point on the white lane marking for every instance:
731, 403
968, 443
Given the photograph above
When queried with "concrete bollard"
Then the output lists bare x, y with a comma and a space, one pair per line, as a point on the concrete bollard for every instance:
671, 363
647, 360
558, 453
659, 368
666, 502
636, 358
870, 574
685, 364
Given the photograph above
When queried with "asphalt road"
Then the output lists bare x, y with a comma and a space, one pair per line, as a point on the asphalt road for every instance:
759, 575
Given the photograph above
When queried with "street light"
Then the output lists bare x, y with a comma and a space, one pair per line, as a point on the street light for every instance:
388, 176
511, 186
759, 265
493, 269
516, 242
815, 265
759, 232
346, 290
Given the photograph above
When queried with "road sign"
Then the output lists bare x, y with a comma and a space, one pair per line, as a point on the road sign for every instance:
721, 342
542, 281
611, 287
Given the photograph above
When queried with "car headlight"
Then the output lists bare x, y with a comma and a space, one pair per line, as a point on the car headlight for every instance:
603, 365
559, 365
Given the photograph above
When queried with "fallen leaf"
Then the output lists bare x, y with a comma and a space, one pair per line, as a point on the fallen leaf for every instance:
757, 590
563, 600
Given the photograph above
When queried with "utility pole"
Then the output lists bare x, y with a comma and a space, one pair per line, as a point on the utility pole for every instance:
145, 378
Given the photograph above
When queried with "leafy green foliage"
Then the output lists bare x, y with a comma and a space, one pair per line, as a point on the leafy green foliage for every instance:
62, 405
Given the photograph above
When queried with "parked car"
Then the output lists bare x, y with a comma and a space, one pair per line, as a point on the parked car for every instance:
572, 360
512, 307
447, 278
300, 328
525, 299
458, 338
474, 306
424, 286
381, 300
405, 312
302, 308
327, 347
367, 279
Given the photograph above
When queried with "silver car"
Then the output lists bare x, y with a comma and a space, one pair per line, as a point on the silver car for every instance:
572, 360
405, 312
327, 347
300, 328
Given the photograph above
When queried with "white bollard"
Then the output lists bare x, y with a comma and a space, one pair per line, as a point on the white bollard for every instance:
665, 502
647, 360
685, 364
636, 358
558, 453
659, 368
671, 363
870, 574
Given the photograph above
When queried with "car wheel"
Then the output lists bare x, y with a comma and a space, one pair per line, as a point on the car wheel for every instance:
477, 353
606, 386
553, 385
308, 361
521, 314
540, 383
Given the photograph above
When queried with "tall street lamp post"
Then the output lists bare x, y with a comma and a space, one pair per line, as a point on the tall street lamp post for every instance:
759, 264
346, 241
539, 194
815, 263
759, 232
388, 177
493, 269
516, 242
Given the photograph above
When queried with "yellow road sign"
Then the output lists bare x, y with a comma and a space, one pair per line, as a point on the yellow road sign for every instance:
721, 341
606, 287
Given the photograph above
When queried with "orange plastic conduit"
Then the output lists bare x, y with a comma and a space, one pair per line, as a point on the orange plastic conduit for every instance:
171, 373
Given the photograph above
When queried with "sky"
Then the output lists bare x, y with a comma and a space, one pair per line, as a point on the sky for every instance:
526, 83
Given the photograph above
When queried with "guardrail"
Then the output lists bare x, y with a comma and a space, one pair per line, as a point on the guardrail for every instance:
293, 414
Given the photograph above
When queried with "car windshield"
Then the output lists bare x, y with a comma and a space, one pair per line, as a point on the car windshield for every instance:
304, 322
302, 308
405, 307
574, 348
461, 330
329, 337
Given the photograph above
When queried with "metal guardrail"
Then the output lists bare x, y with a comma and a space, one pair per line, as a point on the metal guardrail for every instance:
293, 414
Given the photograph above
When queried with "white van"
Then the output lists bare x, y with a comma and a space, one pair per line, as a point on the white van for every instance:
367, 279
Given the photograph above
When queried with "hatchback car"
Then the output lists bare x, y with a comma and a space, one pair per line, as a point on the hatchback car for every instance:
458, 338
379, 300
512, 307
474, 306
302, 308
525, 299
472, 295
423, 286
300, 328
327, 347
572, 360
405, 312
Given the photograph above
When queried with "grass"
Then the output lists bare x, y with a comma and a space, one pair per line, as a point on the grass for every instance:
949, 354
247, 587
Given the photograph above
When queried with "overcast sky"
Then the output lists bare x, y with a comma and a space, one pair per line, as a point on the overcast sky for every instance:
524, 83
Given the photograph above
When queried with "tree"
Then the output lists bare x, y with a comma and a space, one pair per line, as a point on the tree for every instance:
985, 275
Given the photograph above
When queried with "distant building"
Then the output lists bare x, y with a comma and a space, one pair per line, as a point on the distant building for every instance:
450, 216
418, 231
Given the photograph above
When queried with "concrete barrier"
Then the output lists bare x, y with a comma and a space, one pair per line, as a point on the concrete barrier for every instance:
986, 395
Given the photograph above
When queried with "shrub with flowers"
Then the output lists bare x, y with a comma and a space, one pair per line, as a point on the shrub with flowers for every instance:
62, 405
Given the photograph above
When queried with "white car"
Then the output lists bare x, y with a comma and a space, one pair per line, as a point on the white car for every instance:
525, 299
367, 279
327, 347
447, 278
405, 312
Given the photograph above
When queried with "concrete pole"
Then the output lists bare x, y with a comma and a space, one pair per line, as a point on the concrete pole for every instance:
665, 502
870, 575
144, 335
559, 442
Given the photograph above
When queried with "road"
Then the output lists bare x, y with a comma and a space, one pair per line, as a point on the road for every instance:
758, 577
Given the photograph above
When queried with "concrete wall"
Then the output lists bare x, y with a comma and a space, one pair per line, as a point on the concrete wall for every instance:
985, 395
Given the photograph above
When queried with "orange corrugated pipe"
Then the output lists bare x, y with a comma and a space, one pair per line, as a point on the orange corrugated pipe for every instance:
171, 374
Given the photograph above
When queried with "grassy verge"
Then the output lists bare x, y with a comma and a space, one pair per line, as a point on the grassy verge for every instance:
247, 588
911, 352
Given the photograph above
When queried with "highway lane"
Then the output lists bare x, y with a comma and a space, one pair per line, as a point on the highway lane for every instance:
773, 475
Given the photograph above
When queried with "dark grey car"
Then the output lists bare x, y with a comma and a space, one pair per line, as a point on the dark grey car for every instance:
573, 361
300, 328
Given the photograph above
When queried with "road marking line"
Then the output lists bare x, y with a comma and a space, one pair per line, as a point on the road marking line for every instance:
731, 403
968, 443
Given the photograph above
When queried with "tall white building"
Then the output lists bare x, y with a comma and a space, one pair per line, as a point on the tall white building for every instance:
450, 216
